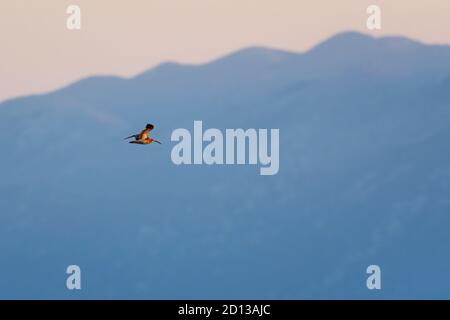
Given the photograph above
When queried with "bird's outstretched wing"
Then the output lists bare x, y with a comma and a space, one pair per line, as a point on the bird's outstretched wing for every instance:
132, 136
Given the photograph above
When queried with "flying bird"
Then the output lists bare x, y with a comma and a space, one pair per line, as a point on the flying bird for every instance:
143, 136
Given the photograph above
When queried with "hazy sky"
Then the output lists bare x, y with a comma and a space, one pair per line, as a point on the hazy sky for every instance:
38, 53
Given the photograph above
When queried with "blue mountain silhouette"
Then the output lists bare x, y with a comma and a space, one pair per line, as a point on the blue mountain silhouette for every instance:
364, 179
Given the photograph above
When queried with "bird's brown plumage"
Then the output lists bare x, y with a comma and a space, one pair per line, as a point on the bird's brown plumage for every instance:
143, 136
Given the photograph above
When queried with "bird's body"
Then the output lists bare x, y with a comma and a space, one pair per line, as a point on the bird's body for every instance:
143, 136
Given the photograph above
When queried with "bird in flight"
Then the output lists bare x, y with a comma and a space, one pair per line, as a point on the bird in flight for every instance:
142, 137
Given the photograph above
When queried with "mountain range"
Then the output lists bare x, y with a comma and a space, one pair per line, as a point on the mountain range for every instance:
364, 179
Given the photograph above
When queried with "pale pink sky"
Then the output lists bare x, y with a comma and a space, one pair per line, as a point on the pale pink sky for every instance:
38, 53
